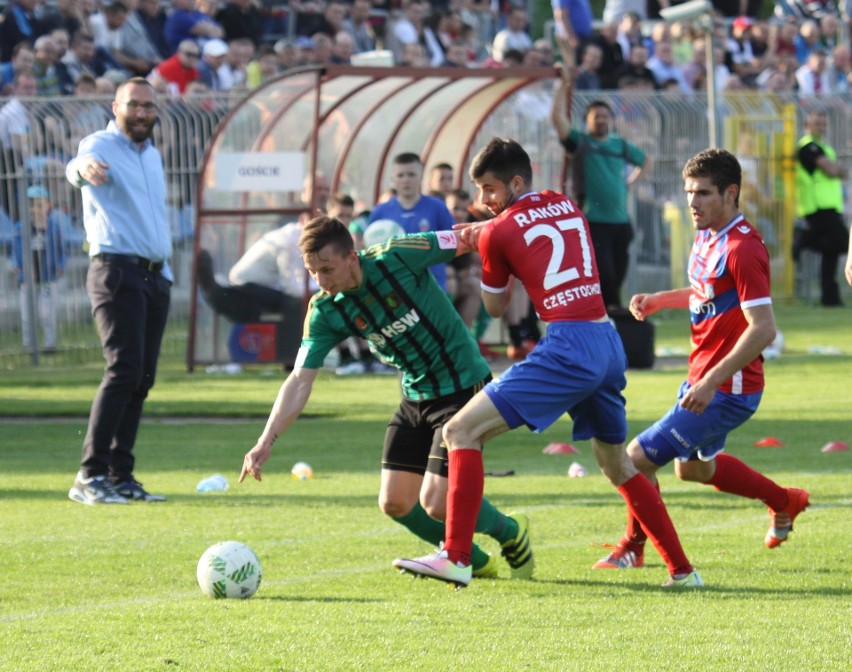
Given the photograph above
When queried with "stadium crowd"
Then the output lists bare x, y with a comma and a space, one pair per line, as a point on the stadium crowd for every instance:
239, 44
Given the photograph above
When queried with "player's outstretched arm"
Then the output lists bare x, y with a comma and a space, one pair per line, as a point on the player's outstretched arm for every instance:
292, 397
643, 305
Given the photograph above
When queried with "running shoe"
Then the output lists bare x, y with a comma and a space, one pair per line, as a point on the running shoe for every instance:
518, 552
782, 521
436, 566
488, 570
621, 558
94, 490
133, 490
355, 368
691, 580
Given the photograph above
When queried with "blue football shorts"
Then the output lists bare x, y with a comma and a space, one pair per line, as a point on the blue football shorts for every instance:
683, 435
578, 368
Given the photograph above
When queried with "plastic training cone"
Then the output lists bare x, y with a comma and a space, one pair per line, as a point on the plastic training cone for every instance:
768, 442
560, 449
834, 446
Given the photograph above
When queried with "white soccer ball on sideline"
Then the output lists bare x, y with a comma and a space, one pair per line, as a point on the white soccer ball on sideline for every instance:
302, 471
381, 231
229, 569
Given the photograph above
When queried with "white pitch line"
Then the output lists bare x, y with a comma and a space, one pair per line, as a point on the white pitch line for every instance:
331, 573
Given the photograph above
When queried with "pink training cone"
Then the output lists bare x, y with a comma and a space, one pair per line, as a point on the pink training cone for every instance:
768, 442
834, 446
560, 449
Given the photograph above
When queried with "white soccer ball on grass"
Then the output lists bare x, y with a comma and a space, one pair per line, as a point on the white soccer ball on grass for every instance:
229, 569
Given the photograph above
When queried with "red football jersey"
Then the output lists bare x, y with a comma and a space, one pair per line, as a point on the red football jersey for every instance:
728, 271
543, 240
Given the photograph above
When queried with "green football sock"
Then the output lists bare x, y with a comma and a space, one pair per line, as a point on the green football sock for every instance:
495, 524
422, 525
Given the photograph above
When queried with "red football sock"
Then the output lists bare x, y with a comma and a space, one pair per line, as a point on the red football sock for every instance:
464, 495
634, 536
645, 504
737, 478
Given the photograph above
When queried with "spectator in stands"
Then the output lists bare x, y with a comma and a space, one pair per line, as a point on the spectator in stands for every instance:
323, 49
61, 41
614, 10
180, 69
358, 26
343, 48
287, 53
109, 29
232, 73
456, 55
212, 57
187, 22
44, 68
812, 77
513, 36
333, 19
48, 264
410, 28
263, 68
414, 55
807, 40
612, 58
138, 53
14, 120
588, 77
67, 14
636, 67
840, 69
540, 55
241, 18
629, 33
150, 17
441, 181
308, 15
664, 68
84, 56
23, 61
88, 115
680, 33
573, 20
19, 24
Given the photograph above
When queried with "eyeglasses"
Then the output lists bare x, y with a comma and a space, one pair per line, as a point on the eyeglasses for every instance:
191, 54
135, 105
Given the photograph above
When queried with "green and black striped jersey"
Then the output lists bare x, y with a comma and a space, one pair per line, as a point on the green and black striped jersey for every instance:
404, 315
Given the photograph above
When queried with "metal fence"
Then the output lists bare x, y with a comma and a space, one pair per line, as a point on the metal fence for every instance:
761, 129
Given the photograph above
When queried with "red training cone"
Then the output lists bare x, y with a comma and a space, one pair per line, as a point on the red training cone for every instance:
560, 449
834, 446
768, 442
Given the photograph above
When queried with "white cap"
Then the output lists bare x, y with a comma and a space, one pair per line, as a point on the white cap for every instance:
215, 48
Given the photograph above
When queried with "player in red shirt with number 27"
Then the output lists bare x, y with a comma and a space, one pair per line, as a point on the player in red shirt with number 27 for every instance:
542, 239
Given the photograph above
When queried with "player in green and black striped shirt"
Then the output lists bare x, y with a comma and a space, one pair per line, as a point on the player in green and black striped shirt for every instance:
387, 295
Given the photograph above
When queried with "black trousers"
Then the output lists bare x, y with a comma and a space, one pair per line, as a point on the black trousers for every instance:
612, 245
130, 305
827, 234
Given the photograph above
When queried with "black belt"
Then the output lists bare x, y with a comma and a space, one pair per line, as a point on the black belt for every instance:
132, 259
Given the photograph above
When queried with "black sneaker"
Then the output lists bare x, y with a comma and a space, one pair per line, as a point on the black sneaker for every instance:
95, 490
518, 552
133, 489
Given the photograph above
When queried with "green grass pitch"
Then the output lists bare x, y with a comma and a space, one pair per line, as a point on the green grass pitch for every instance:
113, 587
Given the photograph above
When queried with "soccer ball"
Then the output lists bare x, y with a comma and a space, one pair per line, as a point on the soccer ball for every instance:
302, 471
229, 569
381, 231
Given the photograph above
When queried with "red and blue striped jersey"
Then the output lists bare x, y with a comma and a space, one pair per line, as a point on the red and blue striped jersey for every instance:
728, 272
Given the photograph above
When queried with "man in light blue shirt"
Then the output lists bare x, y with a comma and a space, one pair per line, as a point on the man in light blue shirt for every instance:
413, 210
129, 283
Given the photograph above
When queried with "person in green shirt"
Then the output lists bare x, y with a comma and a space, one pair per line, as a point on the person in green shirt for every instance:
387, 296
600, 183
